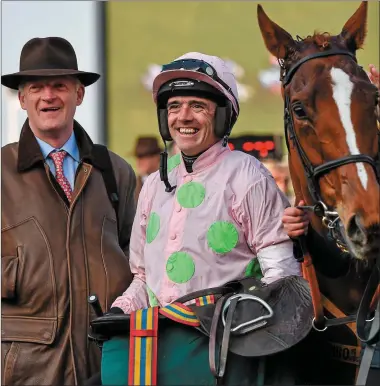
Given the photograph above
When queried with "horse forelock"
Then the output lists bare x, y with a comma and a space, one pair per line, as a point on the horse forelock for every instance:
323, 41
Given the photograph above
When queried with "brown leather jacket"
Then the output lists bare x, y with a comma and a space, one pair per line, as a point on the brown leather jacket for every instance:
53, 257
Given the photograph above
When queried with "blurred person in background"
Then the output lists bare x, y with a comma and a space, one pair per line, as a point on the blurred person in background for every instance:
281, 174
60, 236
374, 76
147, 152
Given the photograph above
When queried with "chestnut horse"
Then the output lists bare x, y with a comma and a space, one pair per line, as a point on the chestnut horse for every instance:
332, 137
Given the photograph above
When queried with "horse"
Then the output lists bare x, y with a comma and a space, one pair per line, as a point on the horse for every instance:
333, 144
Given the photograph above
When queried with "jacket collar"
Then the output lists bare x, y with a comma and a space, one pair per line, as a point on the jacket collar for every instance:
30, 155
206, 159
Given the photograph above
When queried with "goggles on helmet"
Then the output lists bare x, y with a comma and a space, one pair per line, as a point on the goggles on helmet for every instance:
197, 65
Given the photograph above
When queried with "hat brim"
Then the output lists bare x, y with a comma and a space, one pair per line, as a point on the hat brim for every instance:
146, 153
166, 76
13, 81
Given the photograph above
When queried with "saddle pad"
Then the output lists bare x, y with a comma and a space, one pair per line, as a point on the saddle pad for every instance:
291, 302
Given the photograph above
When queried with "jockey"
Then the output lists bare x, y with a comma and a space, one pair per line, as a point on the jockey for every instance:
210, 215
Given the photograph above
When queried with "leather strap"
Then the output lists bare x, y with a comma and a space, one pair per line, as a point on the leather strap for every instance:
210, 291
375, 299
365, 365
322, 54
102, 156
364, 309
311, 277
340, 321
219, 369
226, 339
369, 299
213, 334
330, 165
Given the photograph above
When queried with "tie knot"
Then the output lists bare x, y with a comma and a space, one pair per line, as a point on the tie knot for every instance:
58, 157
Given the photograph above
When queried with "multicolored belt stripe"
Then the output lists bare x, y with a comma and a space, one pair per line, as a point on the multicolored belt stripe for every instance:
143, 347
180, 313
202, 301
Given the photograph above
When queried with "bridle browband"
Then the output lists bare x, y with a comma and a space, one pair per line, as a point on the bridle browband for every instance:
314, 173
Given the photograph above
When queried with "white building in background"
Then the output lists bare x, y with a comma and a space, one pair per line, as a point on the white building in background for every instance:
81, 23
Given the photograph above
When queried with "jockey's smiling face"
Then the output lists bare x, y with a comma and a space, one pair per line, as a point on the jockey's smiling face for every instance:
191, 123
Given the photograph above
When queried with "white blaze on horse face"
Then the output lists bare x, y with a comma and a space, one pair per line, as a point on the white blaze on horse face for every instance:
342, 91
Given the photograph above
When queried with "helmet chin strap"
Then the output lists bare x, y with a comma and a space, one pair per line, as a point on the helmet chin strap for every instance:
164, 165
164, 169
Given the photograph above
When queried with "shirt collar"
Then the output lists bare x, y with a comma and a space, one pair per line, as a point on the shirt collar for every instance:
207, 158
70, 147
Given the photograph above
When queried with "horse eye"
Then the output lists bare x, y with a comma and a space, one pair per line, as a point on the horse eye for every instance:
299, 110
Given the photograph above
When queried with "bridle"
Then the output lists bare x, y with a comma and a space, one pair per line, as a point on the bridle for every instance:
330, 218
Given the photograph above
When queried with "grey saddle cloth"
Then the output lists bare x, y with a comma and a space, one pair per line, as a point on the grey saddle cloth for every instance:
291, 303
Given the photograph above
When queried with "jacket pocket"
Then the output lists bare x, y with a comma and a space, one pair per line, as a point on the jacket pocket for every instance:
10, 357
28, 329
9, 268
28, 271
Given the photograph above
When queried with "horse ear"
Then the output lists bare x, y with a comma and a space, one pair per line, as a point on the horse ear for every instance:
276, 39
355, 29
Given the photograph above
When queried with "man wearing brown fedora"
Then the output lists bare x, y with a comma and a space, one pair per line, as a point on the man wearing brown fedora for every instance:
65, 233
147, 153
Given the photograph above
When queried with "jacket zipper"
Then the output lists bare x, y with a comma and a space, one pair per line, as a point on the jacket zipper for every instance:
68, 261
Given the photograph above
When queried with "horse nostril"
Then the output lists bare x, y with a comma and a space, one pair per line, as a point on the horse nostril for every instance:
355, 229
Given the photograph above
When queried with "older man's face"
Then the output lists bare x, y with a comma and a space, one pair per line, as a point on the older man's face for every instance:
191, 123
50, 104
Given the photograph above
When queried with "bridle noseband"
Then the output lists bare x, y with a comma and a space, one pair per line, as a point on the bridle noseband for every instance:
330, 219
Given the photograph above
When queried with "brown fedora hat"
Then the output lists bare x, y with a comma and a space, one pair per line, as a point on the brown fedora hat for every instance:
51, 56
146, 146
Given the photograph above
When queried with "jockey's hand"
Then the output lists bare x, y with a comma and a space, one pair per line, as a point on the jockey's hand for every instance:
296, 221
374, 75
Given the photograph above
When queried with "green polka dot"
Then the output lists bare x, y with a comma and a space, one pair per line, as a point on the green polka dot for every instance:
173, 162
253, 269
153, 227
152, 298
222, 236
180, 267
191, 194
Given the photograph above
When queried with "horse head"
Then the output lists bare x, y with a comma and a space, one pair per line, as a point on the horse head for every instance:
331, 130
